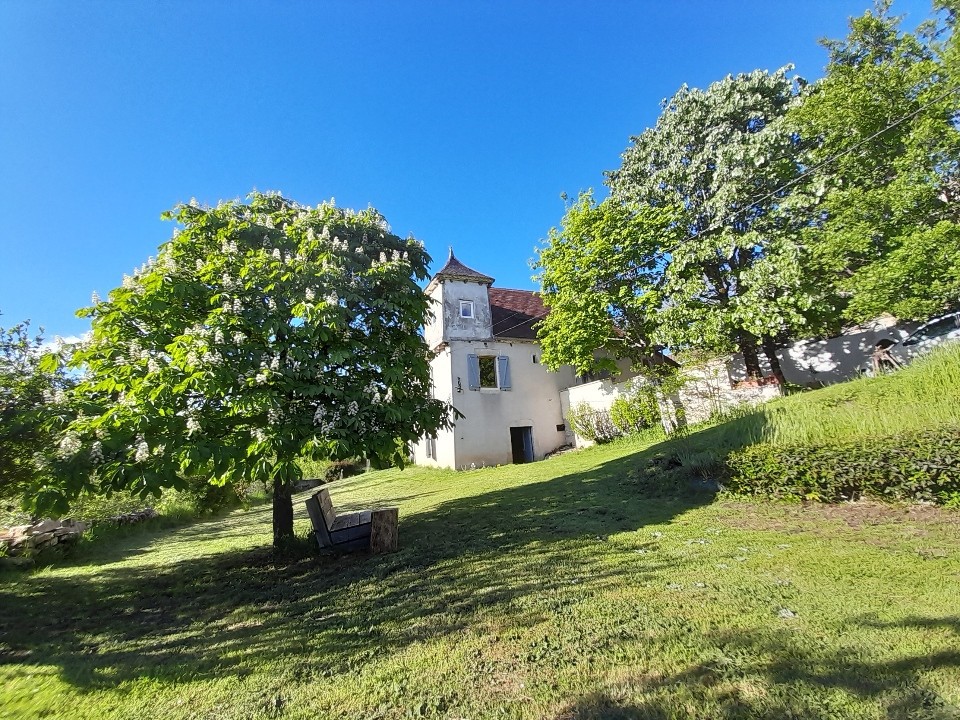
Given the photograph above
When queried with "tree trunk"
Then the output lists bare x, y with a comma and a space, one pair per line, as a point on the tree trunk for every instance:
748, 347
282, 513
770, 350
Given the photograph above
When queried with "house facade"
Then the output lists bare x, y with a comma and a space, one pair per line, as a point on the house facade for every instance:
487, 365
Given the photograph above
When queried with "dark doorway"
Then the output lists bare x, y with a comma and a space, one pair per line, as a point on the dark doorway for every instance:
521, 439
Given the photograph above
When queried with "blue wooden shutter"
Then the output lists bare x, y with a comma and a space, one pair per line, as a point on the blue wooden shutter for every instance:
473, 372
503, 372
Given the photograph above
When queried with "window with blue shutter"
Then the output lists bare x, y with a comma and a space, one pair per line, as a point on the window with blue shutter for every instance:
503, 372
473, 372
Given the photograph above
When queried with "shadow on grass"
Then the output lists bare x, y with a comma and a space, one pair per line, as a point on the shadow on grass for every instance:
751, 674
228, 612
511, 553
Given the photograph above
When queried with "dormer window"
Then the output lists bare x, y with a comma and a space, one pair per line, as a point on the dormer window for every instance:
466, 309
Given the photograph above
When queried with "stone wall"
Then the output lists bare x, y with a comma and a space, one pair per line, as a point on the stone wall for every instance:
29, 540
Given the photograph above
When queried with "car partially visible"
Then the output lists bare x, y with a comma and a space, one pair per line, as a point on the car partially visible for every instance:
935, 332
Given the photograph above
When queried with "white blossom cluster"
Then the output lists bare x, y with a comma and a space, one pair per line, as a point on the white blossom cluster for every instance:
192, 425
142, 451
69, 446
325, 425
96, 453
56, 397
259, 435
211, 357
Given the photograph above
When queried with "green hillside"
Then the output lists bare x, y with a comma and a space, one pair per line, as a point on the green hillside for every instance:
561, 589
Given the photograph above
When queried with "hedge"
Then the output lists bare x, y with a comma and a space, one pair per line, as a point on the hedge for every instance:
908, 466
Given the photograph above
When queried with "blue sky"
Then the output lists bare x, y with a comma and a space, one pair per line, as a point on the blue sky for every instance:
462, 122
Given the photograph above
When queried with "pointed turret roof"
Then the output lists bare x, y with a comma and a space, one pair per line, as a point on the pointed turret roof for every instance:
456, 270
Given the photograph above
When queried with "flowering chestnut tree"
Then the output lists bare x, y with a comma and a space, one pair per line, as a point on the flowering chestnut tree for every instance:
262, 333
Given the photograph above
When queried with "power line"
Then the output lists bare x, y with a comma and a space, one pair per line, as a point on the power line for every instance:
834, 158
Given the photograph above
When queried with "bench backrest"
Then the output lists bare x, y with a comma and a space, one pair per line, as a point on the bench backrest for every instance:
315, 510
326, 506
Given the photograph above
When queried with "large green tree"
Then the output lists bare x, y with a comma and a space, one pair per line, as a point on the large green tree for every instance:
32, 406
882, 125
263, 332
697, 246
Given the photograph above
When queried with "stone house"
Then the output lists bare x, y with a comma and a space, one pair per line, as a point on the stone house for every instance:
487, 365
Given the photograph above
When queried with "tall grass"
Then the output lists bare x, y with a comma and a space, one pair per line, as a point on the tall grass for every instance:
922, 396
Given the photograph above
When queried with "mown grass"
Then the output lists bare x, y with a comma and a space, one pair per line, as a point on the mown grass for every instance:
552, 590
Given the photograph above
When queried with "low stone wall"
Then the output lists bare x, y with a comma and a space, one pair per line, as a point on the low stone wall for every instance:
28, 540
31, 539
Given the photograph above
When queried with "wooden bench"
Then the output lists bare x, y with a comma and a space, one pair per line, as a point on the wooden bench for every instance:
375, 530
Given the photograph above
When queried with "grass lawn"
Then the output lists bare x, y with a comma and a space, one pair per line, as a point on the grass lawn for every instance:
552, 590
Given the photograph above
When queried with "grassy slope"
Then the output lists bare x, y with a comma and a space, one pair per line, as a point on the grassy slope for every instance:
550, 590
923, 396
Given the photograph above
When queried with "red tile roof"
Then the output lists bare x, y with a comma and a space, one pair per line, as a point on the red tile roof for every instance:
515, 313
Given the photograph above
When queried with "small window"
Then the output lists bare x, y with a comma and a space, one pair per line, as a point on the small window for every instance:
534, 358
488, 371
466, 308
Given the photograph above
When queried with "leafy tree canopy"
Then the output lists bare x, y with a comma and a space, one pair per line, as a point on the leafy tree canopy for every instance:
882, 125
32, 405
694, 248
262, 333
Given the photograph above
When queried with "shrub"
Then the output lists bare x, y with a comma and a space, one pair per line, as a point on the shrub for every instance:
591, 424
920, 465
636, 410
206, 497
342, 468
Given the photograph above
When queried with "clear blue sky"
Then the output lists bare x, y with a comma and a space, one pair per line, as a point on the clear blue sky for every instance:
462, 122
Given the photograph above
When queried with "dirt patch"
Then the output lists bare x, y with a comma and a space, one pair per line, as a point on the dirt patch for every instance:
916, 519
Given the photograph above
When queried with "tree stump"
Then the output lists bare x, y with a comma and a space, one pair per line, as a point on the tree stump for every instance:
383, 530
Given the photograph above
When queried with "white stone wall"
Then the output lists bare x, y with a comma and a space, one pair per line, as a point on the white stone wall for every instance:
813, 363
598, 395
442, 390
710, 390
447, 325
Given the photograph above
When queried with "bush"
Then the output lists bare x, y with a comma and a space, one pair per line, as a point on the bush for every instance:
636, 410
595, 425
922, 465
206, 497
343, 468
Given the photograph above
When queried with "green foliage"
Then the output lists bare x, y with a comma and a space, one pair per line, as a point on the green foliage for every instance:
599, 277
908, 466
263, 333
890, 435
595, 425
883, 123
696, 247
555, 589
32, 406
339, 469
636, 410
